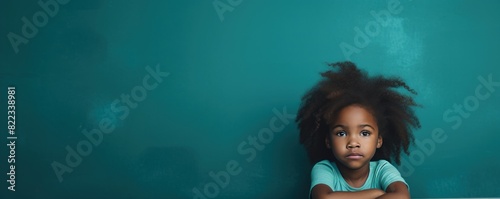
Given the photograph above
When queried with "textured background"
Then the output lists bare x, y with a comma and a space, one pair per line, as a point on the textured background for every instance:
234, 66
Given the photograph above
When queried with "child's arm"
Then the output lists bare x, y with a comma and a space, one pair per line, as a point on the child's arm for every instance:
397, 190
322, 191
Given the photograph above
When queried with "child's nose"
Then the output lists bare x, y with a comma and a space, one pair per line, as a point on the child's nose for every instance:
353, 144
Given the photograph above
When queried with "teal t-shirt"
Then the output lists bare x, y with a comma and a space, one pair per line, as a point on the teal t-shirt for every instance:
382, 174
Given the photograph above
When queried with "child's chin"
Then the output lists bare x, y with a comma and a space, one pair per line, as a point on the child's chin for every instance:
354, 165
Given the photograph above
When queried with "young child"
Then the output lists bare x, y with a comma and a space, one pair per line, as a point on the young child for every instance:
351, 126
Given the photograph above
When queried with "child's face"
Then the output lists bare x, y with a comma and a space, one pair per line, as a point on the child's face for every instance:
354, 137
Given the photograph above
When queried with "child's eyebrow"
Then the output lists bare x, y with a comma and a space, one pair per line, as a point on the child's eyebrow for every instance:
346, 127
339, 125
365, 125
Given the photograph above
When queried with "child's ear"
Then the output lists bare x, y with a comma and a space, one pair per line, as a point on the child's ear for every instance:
327, 143
379, 142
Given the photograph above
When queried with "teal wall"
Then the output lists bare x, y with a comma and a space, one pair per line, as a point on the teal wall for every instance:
227, 76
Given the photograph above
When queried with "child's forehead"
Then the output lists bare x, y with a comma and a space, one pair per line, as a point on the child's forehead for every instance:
356, 110
354, 117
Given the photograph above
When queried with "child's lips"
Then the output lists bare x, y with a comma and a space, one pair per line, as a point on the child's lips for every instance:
354, 156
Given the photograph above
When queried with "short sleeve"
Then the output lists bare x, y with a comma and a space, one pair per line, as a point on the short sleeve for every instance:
389, 174
322, 173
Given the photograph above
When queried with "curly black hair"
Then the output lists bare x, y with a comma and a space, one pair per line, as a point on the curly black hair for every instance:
346, 85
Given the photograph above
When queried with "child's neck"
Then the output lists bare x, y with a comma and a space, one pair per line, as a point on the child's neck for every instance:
355, 178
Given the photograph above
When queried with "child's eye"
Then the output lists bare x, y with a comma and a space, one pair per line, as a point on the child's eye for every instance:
341, 133
365, 133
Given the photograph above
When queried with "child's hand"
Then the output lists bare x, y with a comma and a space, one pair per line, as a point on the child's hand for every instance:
322, 191
397, 190
376, 192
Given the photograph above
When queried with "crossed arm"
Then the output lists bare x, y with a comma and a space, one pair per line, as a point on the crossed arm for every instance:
397, 190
